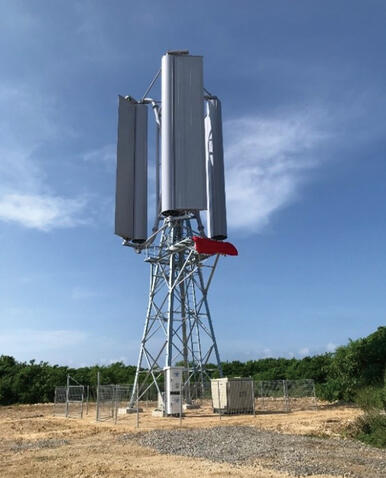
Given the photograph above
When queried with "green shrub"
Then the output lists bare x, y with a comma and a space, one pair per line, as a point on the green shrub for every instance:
372, 429
330, 391
359, 364
371, 399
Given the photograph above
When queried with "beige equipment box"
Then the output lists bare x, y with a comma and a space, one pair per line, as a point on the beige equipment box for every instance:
232, 395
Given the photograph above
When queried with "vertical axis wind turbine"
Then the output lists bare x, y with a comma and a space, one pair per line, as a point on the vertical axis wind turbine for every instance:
189, 179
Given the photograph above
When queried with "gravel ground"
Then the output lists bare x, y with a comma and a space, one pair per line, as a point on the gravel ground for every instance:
296, 454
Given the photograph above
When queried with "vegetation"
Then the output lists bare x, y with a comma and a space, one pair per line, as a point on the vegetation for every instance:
371, 429
31, 382
338, 376
371, 426
353, 372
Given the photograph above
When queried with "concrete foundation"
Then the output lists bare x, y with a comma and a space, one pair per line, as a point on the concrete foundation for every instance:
190, 406
158, 413
130, 410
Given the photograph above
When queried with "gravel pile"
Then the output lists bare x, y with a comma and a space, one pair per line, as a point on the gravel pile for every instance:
295, 454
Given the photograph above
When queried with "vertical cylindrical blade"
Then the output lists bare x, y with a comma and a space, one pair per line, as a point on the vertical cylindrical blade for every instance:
182, 131
217, 222
124, 197
131, 180
140, 174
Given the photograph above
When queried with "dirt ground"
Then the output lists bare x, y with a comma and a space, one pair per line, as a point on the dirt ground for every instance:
34, 443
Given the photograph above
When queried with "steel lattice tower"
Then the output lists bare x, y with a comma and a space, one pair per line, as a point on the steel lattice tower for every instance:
178, 326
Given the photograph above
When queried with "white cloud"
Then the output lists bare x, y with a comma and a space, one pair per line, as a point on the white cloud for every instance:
266, 160
304, 351
26, 122
41, 212
331, 347
106, 154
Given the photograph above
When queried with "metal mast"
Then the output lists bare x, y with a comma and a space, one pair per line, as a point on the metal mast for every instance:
178, 327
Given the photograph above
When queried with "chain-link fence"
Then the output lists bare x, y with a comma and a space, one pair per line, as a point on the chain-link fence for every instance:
242, 396
112, 401
69, 400
271, 396
75, 401
225, 396
122, 395
105, 402
284, 395
196, 393
301, 394
60, 401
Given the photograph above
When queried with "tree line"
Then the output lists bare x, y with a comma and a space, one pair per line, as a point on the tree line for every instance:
338, 375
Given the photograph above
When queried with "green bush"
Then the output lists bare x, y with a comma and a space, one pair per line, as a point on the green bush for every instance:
359, 364
371, 399
329, 391
372, 429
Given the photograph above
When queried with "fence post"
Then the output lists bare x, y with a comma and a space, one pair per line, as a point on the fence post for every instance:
97, 397
87, 398
262, 393
115, 403
181, 403
81, 405
285, 394
219, 399
67, 392
314, 395
137, 423
253, 397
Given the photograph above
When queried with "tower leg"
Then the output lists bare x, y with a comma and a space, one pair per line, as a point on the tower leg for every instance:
205, 292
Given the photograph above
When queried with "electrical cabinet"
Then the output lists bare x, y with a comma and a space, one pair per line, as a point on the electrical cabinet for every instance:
173, 388
232, 395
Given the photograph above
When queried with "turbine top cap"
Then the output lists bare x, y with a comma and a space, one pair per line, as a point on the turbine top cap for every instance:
178, 52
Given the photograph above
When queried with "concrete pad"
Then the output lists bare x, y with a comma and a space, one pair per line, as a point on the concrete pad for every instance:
131, 410
157, 413
190, 406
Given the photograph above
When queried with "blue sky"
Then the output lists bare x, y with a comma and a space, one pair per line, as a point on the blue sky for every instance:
304, 108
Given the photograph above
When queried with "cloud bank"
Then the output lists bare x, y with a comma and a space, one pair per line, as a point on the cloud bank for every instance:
26, 198
266, 161
40, 211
